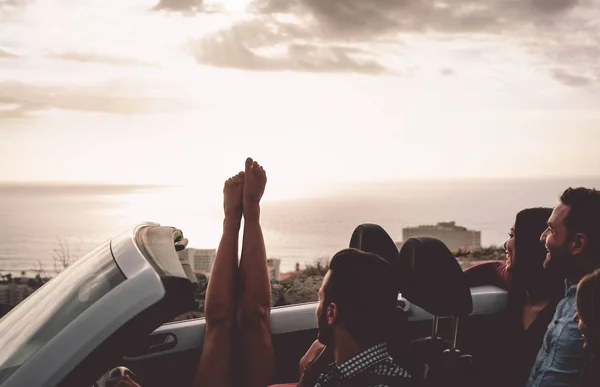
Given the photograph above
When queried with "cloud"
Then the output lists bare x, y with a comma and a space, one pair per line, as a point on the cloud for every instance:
553, 6
7, 53
367, 18
7, 3
323, 33
268, 45
362, 35
569, 51
77, 56
569, 79
21, 99
10, 110
179, 5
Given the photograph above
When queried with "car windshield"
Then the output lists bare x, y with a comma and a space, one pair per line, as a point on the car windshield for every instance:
28, 327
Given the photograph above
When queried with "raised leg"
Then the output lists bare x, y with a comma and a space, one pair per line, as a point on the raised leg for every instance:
253, 315
215, 368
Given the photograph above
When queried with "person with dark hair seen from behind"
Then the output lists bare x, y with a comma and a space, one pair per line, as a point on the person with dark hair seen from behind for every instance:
572, 240
357, 302
588, 318
533, 293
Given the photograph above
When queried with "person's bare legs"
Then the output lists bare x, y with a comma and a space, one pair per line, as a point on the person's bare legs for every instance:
215, 369
254, 308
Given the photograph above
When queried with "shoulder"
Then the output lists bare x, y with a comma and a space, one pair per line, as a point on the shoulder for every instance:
386, 373
389, 368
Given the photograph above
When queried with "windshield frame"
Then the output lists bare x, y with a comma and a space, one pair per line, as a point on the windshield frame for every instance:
50, 309
141, 289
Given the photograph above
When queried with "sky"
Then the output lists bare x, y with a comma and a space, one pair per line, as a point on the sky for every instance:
320, 92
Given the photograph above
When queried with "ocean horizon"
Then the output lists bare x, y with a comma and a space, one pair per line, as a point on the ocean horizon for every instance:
37, 218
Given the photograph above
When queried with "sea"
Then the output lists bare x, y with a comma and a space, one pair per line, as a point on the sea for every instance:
42, 221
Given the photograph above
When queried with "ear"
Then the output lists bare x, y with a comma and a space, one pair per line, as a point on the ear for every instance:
332, 314
578, 244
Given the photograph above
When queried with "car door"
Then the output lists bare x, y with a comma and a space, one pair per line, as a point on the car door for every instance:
174, 349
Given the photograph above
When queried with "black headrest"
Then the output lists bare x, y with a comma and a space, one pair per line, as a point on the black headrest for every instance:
435, 280
372, 238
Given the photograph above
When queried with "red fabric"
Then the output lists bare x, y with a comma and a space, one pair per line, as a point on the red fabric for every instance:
489, 273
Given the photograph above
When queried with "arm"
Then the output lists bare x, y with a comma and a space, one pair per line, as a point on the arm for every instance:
315, 362
310, 355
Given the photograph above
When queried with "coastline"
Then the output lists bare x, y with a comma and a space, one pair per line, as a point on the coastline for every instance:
296, 287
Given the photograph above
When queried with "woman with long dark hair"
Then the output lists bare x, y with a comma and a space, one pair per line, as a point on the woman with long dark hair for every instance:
588, 316
533, 292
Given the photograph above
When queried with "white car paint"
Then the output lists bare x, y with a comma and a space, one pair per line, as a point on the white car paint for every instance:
487, 300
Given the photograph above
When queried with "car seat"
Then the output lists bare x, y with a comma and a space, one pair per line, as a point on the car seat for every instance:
436, 283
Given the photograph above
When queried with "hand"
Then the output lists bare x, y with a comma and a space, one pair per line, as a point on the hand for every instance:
315, 362
313, 352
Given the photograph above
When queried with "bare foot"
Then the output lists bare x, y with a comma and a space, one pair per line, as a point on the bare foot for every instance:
254, 188
232, 196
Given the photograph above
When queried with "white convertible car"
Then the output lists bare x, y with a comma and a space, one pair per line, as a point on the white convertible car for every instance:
110, 309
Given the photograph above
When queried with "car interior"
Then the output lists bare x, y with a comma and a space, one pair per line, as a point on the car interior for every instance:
444, 330
437, 284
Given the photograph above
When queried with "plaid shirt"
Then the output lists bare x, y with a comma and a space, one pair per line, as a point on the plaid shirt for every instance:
373, 367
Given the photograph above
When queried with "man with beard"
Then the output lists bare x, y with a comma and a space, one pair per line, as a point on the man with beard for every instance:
573, 243
357, 301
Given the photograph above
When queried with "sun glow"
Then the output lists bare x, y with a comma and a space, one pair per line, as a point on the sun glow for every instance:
119, 92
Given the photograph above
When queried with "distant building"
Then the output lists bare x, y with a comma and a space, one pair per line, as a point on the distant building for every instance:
273, 265
286, 275
455, 237
12, 294
200, 259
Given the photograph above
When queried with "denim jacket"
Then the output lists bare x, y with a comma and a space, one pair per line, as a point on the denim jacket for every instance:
561, 358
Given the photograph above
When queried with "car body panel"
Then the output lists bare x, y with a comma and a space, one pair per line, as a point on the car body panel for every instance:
174, 348
72, 344
487, 300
